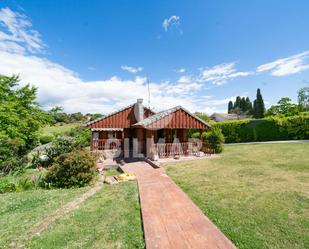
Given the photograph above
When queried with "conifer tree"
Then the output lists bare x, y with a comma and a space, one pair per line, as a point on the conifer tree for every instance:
237, 102
248, 106
230, 107
258, 107
243, 105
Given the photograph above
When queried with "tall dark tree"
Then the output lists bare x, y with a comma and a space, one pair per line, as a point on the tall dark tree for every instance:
243, 105
237, 102
230, 107
248, 106
258, 107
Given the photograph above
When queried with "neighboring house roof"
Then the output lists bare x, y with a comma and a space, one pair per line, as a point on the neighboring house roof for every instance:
180, 121
227, 116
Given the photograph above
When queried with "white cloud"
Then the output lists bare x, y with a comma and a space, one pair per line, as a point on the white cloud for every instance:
16, 33
131, 69
220, 74
172, 20
286, 66
181, 70
58, 85
184, 79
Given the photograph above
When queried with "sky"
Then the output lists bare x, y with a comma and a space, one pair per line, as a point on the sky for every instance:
98, 56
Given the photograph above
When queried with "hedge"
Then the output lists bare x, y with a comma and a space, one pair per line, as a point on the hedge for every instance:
267, 129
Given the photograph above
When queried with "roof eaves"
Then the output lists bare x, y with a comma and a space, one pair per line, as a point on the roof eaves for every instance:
120, 110
115, 112
162, 114
193, 115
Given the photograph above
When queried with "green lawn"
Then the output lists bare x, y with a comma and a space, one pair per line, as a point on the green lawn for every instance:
58, 129
109, 219
258, 195
112, 172
20, 211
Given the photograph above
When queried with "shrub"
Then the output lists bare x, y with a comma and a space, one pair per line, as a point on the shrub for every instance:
7, 184
45, 138
73, 169
16, 183
215, 139
82, 136
12, 156
195, 135
267, 129
59, 146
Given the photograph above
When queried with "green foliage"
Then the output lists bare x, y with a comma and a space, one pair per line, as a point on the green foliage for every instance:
242, 106
284, 107
12, 156
230, 107
74, 169
59, 146
20, 115
258, 105
94, 116
214, 138
202, 116
16, 183
45, 138
196, 134
303, 98
268, 129
248, 106
20, 120
82, 136
59, 116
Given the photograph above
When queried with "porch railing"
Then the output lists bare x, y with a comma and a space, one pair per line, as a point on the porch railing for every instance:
106, 144
181, 149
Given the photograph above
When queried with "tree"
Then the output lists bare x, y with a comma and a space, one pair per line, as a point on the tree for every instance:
248, 106
243, 105
20, 115
202, 116
284, 107
58, 115
258, 106
20, 120
303, 98
230, 107
237, 102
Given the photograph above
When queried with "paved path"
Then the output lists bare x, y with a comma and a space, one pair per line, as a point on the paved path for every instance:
170, 218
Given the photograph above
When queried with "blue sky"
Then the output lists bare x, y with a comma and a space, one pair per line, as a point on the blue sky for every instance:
93, 56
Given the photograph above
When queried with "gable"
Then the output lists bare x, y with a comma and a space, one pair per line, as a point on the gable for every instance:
175, 118
121, 119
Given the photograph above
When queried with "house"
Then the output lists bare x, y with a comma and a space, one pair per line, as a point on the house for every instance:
221, 117
137, 129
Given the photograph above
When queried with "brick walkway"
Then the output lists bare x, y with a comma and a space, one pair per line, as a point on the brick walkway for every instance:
170, 218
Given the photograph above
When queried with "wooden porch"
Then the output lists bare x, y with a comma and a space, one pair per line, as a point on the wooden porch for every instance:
161, 149
181, 149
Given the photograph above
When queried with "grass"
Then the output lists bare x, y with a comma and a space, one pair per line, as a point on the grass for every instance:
112, 172
258, 195
20, 211
58, 129
109, 219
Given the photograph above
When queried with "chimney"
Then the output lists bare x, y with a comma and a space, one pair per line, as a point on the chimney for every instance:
139, 110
